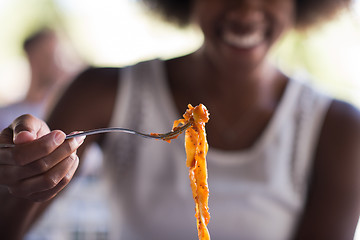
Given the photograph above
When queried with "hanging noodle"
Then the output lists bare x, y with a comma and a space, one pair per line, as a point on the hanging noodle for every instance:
196, 147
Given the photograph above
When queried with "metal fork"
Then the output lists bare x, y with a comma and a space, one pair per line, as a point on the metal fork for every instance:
159, 136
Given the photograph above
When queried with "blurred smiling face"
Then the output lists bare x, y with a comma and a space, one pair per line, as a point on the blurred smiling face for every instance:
242, 31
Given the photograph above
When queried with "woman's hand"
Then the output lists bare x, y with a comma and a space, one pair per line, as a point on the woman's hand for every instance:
41, 164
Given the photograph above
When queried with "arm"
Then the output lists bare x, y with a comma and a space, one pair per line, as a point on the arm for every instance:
43, 163
332, 208
87, 104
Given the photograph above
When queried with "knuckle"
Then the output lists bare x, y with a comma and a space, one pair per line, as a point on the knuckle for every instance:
49, 181
48, 194
20, 122
16, 191
24, 117
69, 146
63, 183
66, 179
73, 145
46, 148
18, 158
40, 166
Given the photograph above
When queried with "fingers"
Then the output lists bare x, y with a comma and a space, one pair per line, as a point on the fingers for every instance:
46, 186
46, 163
24, 166
27, 128
41, 164
23, 130
26, 153
42, 179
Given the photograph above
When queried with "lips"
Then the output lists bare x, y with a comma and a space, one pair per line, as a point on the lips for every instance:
244, 36
244, 41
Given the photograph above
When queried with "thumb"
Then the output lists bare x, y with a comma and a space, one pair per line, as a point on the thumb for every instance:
27, 128
24, 137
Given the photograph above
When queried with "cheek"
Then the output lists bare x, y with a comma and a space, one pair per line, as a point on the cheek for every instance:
285, 13
281, 17
206, 15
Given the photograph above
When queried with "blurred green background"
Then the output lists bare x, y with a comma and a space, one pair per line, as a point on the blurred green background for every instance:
119, 32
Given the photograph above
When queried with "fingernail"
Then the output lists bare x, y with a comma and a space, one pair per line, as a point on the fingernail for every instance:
59, 138
23, 136
80, 139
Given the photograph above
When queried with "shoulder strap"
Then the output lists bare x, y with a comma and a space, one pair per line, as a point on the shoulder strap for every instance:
313, 107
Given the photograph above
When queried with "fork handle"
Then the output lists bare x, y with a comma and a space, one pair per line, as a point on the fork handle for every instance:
106, 130
96, 131
85, 133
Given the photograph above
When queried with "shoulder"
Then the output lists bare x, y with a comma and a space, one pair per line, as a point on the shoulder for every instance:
334, 193
338, 148
96, 77
93, 85
89, 100
339, 141
342, 122
338, 152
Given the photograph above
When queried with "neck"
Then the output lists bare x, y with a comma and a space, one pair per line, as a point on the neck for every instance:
242, 100
216, 77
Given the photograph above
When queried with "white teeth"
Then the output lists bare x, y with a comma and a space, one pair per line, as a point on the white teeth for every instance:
243, 40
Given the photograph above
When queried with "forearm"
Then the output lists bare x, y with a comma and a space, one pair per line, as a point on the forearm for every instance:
17, 215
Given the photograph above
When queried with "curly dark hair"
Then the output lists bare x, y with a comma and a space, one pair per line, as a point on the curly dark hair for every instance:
308, 12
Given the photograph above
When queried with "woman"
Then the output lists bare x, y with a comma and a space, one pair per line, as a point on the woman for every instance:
283, 158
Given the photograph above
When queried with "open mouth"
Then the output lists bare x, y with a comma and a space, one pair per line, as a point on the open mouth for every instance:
244, 37
244, 41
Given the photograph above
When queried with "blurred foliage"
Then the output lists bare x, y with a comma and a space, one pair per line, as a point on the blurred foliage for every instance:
329, 53
18, 19
21, 18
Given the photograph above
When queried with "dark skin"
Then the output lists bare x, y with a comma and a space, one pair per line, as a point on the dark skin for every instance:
248, 90
332, 207
257, 107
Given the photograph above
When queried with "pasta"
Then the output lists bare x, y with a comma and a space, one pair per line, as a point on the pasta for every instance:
196, 147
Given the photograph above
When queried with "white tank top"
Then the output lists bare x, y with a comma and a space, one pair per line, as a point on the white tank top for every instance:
255, 194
